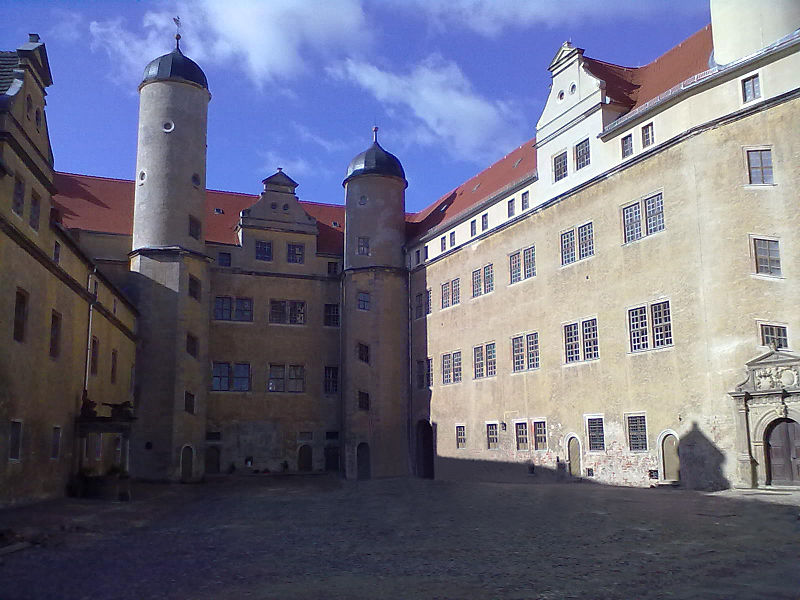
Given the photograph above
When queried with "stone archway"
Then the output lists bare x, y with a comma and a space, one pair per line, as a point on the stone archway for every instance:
782, 452
424, 449
670, 459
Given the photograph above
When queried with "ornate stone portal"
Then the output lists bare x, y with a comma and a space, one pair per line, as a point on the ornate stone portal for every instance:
770, 392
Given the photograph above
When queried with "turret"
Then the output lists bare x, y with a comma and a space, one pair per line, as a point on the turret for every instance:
742, 27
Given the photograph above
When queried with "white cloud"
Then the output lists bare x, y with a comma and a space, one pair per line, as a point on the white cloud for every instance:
442, 105
267, 40
293, 167
306, 135
492, 17
67, 26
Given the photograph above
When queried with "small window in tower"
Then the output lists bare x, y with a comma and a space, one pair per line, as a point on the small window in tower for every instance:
142, 177
363, 246
38, 119
362, 200
194, 227
274, 205
285, 207
335, 224
168, 126
28, 106
196, 180
220, 211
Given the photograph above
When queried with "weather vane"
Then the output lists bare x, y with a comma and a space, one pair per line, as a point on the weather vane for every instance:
177, 21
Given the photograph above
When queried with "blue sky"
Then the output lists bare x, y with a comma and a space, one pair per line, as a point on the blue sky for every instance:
453, 84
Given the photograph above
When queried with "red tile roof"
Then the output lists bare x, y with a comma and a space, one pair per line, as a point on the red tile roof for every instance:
633, 86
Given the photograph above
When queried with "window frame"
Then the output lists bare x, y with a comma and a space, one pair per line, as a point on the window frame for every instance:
21, 312
535, 436
626, 149
560, 162
754, 77
363, 246
577, 347
774, 324
295, 253
648, 336
582, 158
20, 435
263, 250
330, 379
525, 439
591, 446
648, 135
628, 435
646, 222
492, 429
220, 377
747, 150
769, 274
331, 317
461, 436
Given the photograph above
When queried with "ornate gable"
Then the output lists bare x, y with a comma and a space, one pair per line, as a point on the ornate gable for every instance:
775, 371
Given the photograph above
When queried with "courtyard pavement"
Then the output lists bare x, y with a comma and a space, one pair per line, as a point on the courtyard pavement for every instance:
285, 537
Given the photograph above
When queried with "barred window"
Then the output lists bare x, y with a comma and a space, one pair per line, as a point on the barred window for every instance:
560, 166
429, 372
223, 308
662, 324
540, 435
420, 306
241, 377
521, 431
455, 291
518, 353
457, 367
526, 201
446, 294
491, 436
478, 362
582, 154
295, 253
511, 208
297, 378
632, 221
568, 247
637, 324
596, 437
759, 163
220, 376
363, 353
654, 209
363, 246
532, 344
591, 350
627, 145
585, 241
277, 378
751, 89
572, 343
331, 316
263, 250
428, 301
488, 279
529, 262
774, 334
768, 257
447, 369
477, 288
297, 312
515, 267
243, 310
491, 360
363, 301
461, 436
647, 135
637, 433
331, 380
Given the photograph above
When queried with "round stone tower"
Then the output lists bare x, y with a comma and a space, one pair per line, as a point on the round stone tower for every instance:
170, 187
741, 27
374, 351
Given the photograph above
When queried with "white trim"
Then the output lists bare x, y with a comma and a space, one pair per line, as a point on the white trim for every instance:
528, 430
774, 323
586, 418
565, 442
636, 413
532, 434
660, 444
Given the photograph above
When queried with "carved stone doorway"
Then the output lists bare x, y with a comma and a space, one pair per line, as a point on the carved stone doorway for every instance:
782, 451
670, 461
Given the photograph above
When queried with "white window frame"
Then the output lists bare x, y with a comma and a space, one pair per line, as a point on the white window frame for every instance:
455, 429
516, 438
757, 74
746, 167
648, 307
773, 323
532, 434
643, 228
486, 433
754, 259
586, 418
565, 153
640, 413
581, 341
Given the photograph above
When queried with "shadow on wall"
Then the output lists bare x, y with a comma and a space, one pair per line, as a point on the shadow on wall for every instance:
701, 462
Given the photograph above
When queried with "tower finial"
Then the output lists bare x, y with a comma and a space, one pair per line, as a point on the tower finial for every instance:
177, 21
375, 134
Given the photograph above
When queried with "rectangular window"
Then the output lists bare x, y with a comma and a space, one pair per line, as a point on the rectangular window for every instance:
188, 402
632, 222
452, 238
647, 135
455, 291
484, 222
297, 378
526, 201
363, 301
297, 312
637, 433
36, 206
15, 441
447, 369
428, 302
477, 287
582, 158
428, 372
194, 288
363, 246
568, 247
491, 360
18, 202
363, 353
477, 361
473, 227
194, 227
98, 446
426, 251
751, 89
488, 279
768, 257
20, 315
529, 262
331, 380
491, 436
572, 343
263, 250
659, 329
515, 267
277, 378
95, 355
363, 401
521, 432
333, 266
457, 367
243, 310
511, 208
241, 377
518, 353
662, 324
296, 253
55, 443
597, 439
416, 256
446, 294
191, 345
420, 306
56, 253
55, 334
560, 166
223, 308
654, 209
461, 436
627, 145
585, 241
224, 259
420, 374
532, 349
591, 350
331, 317
539, 435
114, 356
759, 164
637, 324
774, 334
443, 243
220, 376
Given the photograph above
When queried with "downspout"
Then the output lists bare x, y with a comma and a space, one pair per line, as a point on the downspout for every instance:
409, 391
342, 411
87, 358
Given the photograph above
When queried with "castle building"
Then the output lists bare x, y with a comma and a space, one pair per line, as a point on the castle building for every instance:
613, 300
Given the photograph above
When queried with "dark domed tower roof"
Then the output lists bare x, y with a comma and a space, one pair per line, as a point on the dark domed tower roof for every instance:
175, 66
375, 161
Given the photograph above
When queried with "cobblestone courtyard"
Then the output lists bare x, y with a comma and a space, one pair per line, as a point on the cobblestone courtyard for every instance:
319, 537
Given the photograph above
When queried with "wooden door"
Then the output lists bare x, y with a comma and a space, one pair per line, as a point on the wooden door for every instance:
783, 449
671, 462
574, 457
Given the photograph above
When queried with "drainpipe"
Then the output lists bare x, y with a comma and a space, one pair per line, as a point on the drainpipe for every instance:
87, 359
342, 410
409, 363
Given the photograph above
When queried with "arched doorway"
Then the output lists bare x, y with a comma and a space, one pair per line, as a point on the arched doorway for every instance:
424, 450
212, 460
364, 470
187, 463
305, 457
574, 456
782, 450
670, 461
